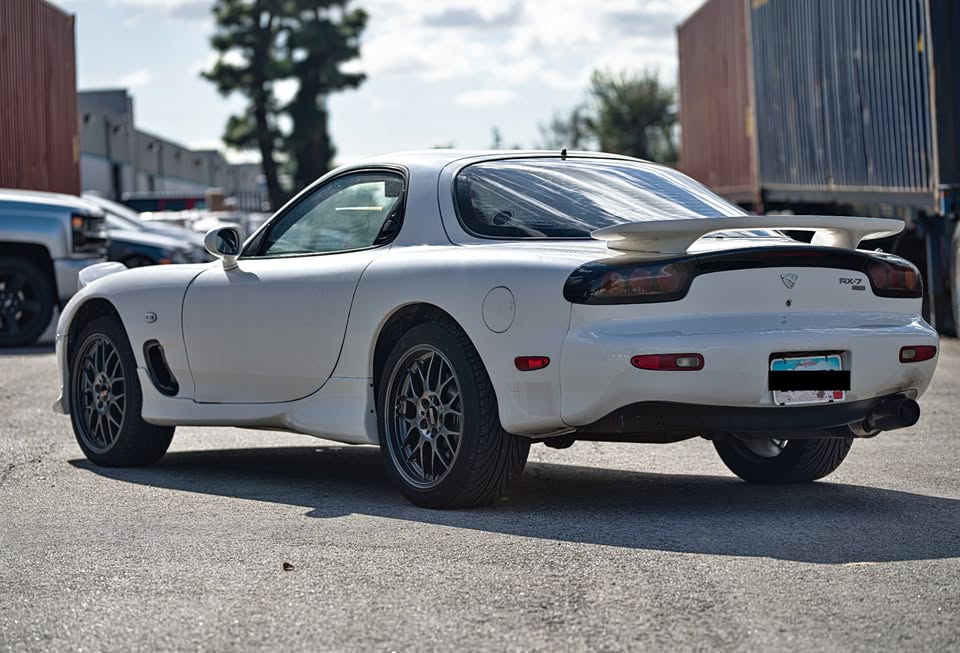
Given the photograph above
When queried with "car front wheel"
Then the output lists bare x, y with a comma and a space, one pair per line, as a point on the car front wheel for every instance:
771, 460
105, 400
439, 425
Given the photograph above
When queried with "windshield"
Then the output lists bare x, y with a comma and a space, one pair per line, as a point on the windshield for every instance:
116, 222
550, 198
116, 209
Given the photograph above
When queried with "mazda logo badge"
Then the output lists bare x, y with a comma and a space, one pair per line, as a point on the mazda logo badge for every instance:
788, 279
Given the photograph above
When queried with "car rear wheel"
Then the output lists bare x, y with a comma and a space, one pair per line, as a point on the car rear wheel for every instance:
771, 460
26, 302
439, 426
105, 400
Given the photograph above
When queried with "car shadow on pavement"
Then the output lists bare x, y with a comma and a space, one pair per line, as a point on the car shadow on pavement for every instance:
823, 522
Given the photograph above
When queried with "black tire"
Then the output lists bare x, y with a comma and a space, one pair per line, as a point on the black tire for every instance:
487, 458
798, 461
27, 297
954, 284
117, 437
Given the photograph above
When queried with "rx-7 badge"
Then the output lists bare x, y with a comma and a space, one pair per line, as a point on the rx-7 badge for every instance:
788, 279
855, 283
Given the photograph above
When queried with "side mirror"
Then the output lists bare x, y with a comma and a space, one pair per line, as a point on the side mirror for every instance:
225, 244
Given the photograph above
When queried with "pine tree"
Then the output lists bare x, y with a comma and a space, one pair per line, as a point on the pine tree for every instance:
323, 35
246, 40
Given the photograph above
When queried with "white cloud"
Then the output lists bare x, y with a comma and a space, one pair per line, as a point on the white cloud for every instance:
232, 57
492, 97
136, 79
190, 9
512, 43
284, 90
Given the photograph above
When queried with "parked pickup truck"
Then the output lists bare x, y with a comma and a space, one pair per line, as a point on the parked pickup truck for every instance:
45, 240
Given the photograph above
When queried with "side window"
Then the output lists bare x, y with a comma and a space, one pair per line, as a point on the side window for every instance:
351, 212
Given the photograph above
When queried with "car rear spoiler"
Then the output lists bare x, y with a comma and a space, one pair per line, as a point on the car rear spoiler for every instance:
676, 236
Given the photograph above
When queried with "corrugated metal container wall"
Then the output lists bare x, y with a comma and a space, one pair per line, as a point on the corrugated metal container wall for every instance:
843, 94
716, 123
38, 98
945, 28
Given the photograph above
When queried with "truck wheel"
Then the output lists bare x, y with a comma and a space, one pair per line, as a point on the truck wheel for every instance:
105, 400
439, 426
26, 301
782, 461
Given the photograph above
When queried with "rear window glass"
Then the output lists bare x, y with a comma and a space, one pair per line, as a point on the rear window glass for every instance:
550, 198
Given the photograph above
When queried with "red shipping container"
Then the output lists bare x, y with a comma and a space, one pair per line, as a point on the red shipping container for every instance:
39, 147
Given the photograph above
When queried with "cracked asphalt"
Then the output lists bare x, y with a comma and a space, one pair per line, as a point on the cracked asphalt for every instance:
600, 546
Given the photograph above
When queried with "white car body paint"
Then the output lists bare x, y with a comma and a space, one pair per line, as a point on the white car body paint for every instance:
289, 343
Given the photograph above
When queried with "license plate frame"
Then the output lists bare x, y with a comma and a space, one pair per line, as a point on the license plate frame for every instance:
812, 362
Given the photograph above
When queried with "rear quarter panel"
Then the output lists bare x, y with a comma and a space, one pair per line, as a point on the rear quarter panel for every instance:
456, 279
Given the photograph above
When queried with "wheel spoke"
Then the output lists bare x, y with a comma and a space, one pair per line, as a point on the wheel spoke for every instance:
111, 370
115, 423
424, 427
101, 391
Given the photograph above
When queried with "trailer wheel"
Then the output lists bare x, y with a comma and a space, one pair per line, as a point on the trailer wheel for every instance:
955, 283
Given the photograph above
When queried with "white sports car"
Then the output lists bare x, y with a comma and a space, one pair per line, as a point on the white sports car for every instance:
456, 307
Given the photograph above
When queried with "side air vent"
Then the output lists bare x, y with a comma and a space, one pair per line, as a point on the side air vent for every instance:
159, 371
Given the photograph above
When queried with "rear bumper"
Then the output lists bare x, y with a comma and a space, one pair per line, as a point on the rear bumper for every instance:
597, 379
651, 419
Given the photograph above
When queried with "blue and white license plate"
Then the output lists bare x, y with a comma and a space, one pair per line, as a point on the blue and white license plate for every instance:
827, 362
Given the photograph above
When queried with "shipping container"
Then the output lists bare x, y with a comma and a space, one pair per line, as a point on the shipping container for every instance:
39, 149
716, 145
832, 106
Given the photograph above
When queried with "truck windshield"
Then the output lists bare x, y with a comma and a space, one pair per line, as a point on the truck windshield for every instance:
551, 198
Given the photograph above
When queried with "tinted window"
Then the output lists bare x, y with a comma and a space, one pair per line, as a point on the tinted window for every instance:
347, 213
549, 198
116, 222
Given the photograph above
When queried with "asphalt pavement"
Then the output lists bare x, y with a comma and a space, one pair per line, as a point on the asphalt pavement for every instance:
600, 546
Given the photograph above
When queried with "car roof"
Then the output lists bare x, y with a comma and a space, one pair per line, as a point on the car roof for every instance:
57, 200
439, 158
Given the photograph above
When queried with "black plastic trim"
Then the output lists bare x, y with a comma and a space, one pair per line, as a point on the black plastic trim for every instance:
158, 370
659, 417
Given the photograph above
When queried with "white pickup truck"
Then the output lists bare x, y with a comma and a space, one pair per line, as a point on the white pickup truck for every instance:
45, 240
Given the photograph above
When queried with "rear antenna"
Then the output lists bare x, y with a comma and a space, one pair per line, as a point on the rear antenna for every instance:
563, 154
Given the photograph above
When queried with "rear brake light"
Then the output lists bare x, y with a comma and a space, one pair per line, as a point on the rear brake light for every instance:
531, 363
668, 362
917, 353
630, 283
894, 278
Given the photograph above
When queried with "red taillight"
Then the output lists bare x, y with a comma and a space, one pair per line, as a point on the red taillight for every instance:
917, 353
531, 363
894, 278
603, 282
668, 362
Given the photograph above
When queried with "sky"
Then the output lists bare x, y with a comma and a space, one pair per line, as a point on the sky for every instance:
439, 72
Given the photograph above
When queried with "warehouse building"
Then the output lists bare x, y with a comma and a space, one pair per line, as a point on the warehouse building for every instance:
116, 158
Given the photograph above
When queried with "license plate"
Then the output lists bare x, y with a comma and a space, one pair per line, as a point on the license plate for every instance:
825, 363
